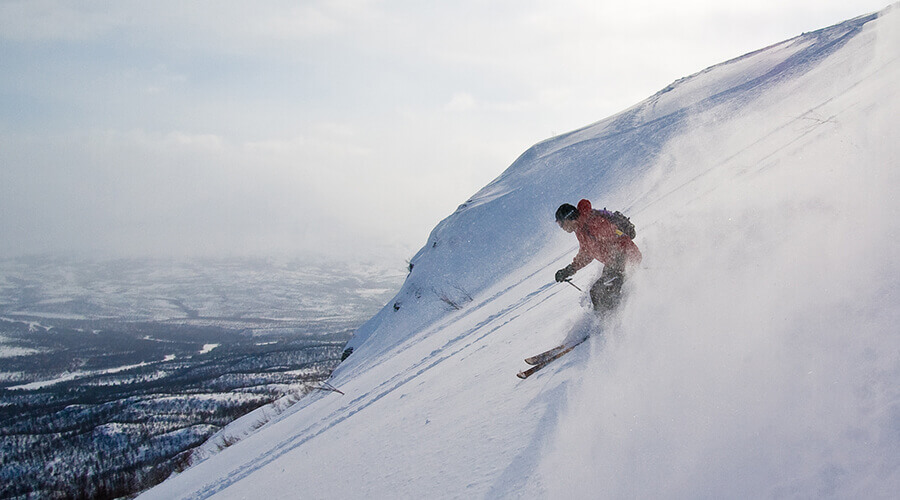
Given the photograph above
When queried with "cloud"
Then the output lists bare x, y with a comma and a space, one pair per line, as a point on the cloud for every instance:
177, 193
29, 20
461, 101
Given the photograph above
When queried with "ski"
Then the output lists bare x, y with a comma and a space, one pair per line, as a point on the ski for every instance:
548, 357
531, 371
539, 358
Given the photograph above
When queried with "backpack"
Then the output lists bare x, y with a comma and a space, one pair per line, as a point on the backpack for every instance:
619, 220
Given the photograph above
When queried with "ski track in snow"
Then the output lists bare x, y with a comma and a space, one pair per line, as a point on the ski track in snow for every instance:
448, 351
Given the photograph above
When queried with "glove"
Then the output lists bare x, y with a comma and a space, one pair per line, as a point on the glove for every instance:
564, 273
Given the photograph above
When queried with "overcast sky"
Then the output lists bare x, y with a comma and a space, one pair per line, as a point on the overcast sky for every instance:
342, 127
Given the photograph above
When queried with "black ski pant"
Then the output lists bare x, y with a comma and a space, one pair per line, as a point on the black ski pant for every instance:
607, 291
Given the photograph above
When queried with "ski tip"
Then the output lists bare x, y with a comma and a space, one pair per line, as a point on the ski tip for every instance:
522, 375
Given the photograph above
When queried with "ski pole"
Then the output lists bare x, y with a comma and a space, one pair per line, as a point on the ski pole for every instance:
573, 284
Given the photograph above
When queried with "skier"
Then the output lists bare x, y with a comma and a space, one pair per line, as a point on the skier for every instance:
600, 239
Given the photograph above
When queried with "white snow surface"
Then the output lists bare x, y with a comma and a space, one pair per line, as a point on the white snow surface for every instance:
757, 355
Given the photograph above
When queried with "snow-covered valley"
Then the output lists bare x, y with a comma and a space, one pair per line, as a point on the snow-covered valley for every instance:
113, 373
756, 356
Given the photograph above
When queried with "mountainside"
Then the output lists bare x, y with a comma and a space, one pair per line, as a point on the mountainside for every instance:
756, 355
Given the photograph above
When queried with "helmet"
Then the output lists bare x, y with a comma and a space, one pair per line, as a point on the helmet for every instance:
566, 212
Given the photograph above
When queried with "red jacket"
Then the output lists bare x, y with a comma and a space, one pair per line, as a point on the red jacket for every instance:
600, 239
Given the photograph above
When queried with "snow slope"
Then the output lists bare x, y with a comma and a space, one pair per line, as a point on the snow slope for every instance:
757, 356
